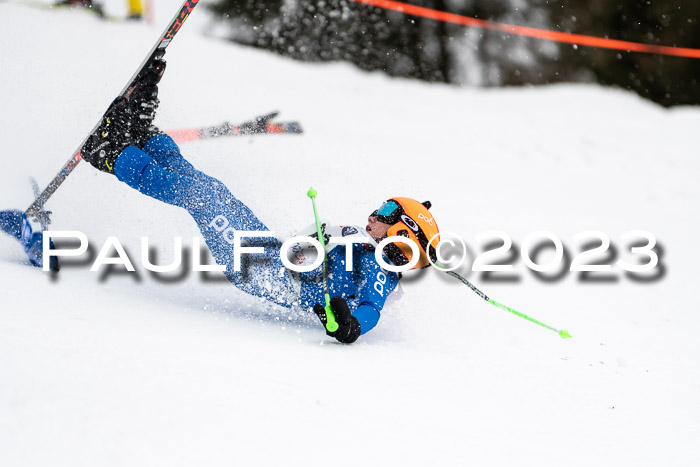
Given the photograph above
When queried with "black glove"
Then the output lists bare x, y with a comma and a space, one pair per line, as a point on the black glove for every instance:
348, 327
104, 146
144, 103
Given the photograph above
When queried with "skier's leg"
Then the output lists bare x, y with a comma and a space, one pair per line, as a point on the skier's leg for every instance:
263, 274
167, 155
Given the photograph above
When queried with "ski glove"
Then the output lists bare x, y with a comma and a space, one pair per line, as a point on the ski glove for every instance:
113, 135
348, 327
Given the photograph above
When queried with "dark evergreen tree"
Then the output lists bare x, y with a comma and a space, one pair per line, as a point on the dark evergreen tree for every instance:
255, 21
402, 45
666, 80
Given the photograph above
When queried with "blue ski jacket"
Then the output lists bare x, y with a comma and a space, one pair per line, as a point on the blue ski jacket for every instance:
160, 171
365, 287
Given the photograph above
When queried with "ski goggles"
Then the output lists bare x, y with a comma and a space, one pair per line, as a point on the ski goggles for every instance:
388, 213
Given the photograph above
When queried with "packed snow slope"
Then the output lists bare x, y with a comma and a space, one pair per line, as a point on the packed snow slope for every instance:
113, 368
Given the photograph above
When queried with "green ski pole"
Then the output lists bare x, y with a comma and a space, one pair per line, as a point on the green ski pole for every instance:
331, 324
563, 333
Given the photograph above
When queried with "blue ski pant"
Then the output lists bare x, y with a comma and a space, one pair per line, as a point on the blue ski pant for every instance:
160, 171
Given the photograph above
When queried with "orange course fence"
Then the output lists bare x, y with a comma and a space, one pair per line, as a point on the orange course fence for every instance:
556, 36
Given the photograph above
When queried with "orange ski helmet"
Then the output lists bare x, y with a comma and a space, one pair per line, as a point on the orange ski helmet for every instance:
411, 219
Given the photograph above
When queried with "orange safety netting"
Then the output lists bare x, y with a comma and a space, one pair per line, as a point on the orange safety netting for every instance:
566, 37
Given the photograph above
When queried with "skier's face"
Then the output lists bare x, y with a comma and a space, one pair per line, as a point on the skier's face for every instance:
377, 230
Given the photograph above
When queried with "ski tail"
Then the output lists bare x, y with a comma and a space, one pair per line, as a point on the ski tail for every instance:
259, 125
285, 127
185, 136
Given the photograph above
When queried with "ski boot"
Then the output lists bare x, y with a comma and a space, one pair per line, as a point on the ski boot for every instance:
144, 104
113, 135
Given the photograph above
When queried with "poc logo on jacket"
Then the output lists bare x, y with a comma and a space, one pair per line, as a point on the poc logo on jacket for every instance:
379, 283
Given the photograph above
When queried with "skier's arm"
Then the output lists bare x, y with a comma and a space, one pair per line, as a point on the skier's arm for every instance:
367, 315
376, 287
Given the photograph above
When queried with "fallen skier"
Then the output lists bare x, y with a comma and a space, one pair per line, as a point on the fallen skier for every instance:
129, 146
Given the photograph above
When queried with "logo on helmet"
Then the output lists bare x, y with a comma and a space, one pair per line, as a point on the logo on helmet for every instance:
409, 222
429, 220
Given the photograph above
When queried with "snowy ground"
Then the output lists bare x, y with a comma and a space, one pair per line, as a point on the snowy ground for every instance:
133, 369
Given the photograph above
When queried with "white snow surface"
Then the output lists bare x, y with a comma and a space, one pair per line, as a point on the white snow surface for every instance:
123, 369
